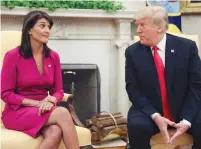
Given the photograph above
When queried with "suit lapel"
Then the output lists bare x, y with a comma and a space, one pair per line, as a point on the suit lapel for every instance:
151, 65
170, 56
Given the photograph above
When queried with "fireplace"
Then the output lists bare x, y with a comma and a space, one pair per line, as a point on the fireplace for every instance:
85, 87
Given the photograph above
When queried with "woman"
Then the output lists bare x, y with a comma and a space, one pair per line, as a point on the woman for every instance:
28, 73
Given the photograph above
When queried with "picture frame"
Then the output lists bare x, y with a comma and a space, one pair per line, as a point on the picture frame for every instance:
190, 6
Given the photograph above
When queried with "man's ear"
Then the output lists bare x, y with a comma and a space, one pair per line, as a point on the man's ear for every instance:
160, 29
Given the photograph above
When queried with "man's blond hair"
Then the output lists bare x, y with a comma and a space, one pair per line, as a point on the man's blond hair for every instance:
158, 14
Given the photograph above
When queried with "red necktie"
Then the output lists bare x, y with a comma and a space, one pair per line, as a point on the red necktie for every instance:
161, 77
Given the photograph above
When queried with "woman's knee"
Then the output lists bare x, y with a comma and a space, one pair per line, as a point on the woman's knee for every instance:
59, 116
63, 113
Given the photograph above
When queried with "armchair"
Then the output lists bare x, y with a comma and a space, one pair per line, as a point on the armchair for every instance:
14, 139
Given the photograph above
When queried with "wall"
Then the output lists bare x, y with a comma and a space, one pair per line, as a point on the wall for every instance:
191, 25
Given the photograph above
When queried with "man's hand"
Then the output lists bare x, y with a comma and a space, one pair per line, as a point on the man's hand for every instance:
181, 128
162, 124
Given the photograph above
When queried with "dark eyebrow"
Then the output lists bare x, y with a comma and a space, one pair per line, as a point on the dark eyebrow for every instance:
44, 23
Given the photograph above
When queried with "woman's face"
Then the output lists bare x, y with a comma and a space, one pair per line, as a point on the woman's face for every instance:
41, 31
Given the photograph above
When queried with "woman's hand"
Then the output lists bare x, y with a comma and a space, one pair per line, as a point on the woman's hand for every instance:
51, 99
44, 106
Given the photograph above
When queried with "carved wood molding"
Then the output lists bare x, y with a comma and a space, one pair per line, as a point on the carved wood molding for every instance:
189, 7
11, 18
120, 43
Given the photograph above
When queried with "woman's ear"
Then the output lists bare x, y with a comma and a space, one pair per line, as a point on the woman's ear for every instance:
29, 32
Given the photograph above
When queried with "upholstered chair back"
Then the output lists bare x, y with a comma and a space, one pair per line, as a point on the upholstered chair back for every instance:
9, 40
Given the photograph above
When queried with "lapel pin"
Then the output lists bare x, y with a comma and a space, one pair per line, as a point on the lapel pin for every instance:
49, 66
172, 51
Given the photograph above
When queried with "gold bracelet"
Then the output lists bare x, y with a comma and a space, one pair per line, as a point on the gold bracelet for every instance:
54, 103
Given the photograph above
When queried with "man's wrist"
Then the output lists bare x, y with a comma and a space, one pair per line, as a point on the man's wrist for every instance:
154, 115
186, 122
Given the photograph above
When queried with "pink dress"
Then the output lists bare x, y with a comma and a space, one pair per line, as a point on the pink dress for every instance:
21, 79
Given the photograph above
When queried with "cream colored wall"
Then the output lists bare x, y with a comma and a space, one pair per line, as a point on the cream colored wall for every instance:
191, 26
134, 5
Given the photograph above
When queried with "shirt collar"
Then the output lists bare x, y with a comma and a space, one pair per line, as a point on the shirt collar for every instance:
162, 43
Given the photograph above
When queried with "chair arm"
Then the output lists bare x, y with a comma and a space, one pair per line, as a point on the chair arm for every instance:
68, 98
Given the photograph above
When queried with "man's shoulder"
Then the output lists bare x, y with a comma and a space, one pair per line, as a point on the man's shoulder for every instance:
179, 39
135, 47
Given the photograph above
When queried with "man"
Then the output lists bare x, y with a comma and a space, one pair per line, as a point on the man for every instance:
163, 82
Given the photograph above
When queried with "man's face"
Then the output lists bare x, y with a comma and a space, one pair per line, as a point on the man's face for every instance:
147, 30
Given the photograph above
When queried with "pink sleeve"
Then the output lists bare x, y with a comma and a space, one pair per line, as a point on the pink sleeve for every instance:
8, 81
57, 90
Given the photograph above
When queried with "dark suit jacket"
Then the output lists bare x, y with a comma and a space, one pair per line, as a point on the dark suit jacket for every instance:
182, 74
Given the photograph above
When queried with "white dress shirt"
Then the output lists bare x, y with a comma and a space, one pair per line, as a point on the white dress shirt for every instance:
161, 51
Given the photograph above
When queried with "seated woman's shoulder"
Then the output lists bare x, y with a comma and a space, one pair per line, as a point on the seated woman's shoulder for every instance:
13, 52
54, 54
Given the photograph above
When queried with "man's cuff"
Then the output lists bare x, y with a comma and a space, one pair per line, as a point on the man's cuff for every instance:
186, 122
154, 115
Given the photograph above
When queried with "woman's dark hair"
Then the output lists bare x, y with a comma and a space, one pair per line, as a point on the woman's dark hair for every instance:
29, 21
